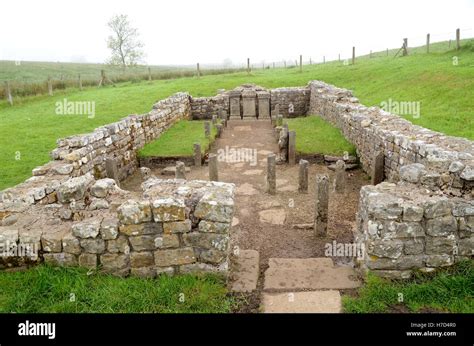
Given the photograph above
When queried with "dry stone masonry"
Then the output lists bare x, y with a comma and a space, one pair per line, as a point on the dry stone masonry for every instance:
72, 211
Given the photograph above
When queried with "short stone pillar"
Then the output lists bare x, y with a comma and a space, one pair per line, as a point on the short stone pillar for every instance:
292, 147
223, 115
207, 129
321, 206
111, 169
283, 144
249, 104
197, 155
219, 130
180, 172
263, 98
303, 176
271, 174
214, 119
279, 120
213, 174
340, 177
276, 111
234, 104
378, 168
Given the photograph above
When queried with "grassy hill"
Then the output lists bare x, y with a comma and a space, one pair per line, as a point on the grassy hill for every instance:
29, 129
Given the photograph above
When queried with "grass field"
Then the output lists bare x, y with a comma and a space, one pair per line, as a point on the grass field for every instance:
71, 290
29, 129
179, 140
315, 135
450, 290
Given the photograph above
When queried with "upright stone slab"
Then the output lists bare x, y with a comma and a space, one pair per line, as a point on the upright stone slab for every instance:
378, 168
303, 176
207, 129
263, 104
214, 119
234, 101
213, 174
111, 169
271, 174
279, 120
197, 155
219, 130
292, 147
340, 177
321, 206
276, 111
249, 104
180, 170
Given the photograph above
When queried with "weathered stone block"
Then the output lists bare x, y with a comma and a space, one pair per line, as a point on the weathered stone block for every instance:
440, 245
214, 206
213, 256
87, 229
88, 260
169, 209
438, 209
177, 227
144, 272
133, 212
402, 263
206, 240
466, 246
145, 242
385, 248
441, 226
119, 245
141, 259
439, 260
391, 230
96, 246
52, 241
414, 246
117, 264
171, 257
214, 227
109, 228
412, 173
71, 244
74, 189
412, 213
102, 187
60, 259
141, 229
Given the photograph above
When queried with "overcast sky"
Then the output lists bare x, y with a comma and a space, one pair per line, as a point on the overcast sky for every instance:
209, 31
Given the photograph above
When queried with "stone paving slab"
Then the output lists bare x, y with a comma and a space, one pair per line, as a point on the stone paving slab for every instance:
308, 274
302, 302
246, 270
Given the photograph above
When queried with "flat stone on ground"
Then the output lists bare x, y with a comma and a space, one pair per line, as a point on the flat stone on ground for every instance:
253, 172
273, 216
246, 271
308, 274
246, 189
302, 302
171, 170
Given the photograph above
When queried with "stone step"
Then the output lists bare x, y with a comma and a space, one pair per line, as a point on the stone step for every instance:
302, 302
245, 271
293, 274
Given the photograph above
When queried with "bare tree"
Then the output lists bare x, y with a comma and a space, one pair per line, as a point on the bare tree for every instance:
124, 42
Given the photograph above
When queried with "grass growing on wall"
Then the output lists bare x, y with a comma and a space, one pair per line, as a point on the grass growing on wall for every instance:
450, 290
179, 140
72, 290
315, 135
445, 91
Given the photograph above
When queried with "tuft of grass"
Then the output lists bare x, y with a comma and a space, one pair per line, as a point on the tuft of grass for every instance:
179, 139
44, 289
315, 135
449, 290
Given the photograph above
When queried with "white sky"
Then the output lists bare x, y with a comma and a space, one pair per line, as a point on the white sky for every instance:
209, 31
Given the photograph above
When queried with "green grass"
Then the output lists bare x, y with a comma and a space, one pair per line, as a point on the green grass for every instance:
179, 140
50, 289
450, 290
315, 135
446, 93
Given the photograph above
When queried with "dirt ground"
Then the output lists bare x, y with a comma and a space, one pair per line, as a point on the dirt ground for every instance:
264, 222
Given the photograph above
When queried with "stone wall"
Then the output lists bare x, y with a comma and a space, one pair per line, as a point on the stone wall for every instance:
404, 227
120, 140
449, 161
289, 102
292, 102
174, 226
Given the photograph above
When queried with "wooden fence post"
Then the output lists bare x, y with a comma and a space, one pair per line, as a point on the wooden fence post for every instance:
8, 93
405, 46
149, 74
50, 87
301, 63
458, 39
248, 65
198, 70
79, 80
427, 43
353, 55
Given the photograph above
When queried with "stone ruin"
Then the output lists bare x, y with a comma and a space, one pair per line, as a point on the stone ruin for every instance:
72, 211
